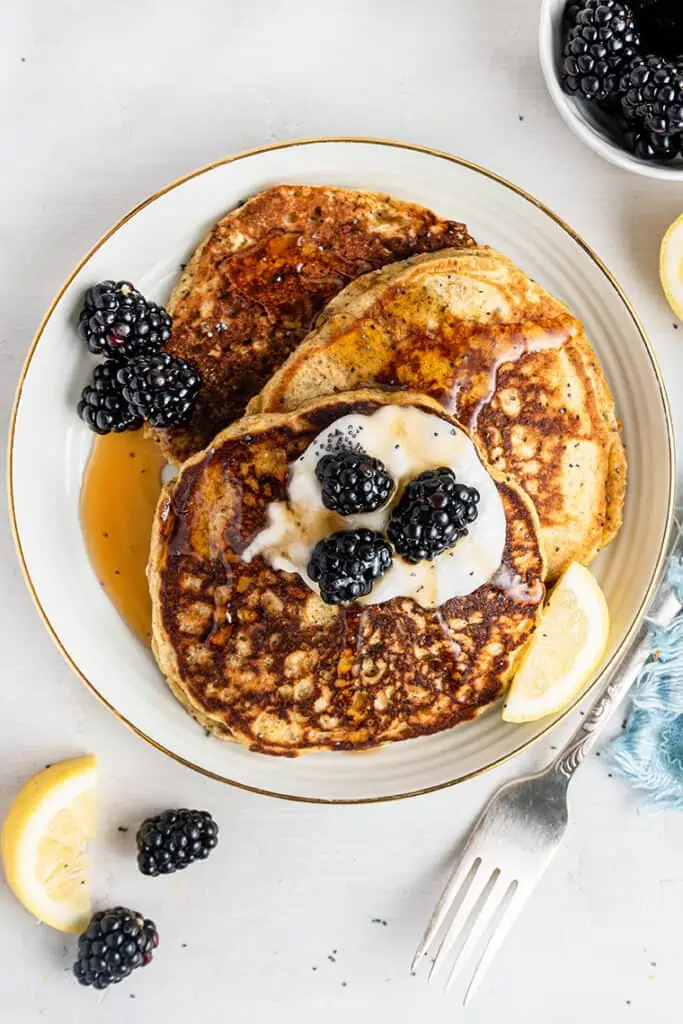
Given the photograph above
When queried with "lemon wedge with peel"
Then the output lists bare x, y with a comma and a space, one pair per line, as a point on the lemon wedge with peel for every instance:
671, 266
565, 650
44, 839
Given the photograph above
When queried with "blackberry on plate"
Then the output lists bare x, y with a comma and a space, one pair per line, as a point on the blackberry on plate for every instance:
120, 322
433, 513
174, 839
114, 944
652, 92
161, 388
602, 38
346, 564
102, 405
353, 482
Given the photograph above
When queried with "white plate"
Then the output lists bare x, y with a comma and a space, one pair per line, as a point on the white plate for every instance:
49, 448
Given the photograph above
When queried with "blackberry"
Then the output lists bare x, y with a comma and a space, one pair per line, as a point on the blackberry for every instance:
346, 564
652, 92
117, 320
115, 943
102, 405
651, 145
571, 13
161, 388
433, 513
353, 482
601, 41
174, 839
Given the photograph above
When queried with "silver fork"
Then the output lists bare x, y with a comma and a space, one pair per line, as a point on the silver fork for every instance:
519, 831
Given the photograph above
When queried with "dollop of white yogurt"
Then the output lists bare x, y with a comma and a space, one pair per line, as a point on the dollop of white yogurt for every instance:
407, 441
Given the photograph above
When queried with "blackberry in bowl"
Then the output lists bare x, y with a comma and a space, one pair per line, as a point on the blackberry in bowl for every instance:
612, 68
601, 39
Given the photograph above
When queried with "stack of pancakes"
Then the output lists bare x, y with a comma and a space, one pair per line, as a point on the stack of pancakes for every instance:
307, 304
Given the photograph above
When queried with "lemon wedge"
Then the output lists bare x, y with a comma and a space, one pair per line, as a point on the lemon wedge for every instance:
44, 839
565, 650
671, 266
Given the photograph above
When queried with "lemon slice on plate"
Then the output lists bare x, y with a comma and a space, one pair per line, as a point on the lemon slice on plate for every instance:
44, 839
671, 266
565, 650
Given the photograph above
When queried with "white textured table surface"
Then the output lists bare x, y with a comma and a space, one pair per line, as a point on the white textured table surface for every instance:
101, 104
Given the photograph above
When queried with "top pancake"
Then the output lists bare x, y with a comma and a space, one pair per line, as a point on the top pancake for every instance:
256, 284
509, 360
255, 655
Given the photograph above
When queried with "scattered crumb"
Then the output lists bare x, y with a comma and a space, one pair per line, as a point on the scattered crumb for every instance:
597, 753
553, 748
628, 1002
609, 775
652, 963
314, 968
331, 959
48, 766
675, 326
23, 61
131, 995
183, 945
521, 117
122, 828
207, 732
183, 265
343, 984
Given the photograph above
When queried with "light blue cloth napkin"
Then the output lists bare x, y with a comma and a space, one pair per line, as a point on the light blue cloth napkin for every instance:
649, 751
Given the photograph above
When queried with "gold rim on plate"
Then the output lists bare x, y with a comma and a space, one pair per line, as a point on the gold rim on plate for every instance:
656, 571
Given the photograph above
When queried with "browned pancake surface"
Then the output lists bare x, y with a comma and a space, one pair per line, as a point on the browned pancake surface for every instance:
255, 286
506, 358
255, 655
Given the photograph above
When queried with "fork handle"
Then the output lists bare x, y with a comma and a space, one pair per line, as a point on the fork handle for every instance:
664, 609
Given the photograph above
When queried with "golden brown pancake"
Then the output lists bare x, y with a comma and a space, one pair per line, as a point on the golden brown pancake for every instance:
255, 655
255, 286
507, 359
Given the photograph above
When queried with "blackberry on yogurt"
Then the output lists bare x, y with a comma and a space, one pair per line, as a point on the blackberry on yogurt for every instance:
353, 482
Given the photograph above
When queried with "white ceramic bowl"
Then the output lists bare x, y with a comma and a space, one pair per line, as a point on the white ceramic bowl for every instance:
584, 119
49, 448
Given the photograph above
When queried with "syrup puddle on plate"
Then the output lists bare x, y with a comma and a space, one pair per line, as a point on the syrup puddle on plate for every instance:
121, 487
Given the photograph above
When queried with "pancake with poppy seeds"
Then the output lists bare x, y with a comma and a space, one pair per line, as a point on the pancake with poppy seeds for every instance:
506, 358
253, 652
255, 285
